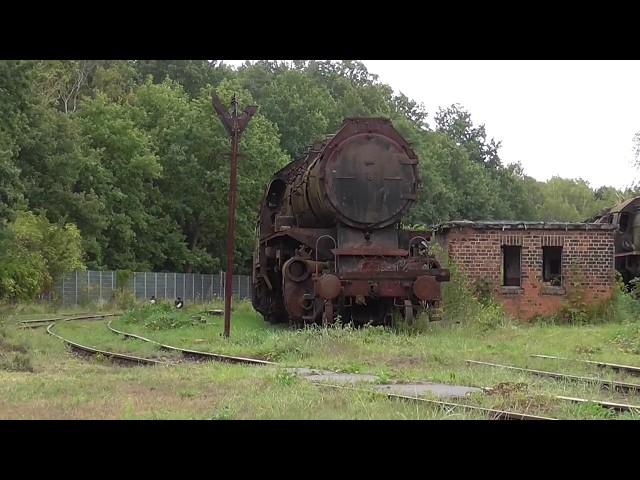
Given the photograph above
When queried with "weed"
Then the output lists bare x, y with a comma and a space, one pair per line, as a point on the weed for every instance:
586, 349
286, 378
225, 413
628, 339
16, 362
352, 368
593, 410
383, 378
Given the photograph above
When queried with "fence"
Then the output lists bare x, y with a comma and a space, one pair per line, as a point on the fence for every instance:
75, 288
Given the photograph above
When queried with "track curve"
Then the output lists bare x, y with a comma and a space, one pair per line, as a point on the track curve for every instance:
43, 322
120, 357
194, 354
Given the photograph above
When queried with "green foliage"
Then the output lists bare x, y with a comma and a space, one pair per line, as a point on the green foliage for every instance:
470, 303
160, 316
302, 109
14, 354
628, 339
132, 154
16, 362
286, 378
33, 252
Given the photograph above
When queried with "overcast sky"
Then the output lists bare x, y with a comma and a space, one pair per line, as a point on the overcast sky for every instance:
566, 118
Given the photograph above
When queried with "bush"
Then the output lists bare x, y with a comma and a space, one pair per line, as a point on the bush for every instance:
161, 316
124, 300
622, 307
16, 362
14, 355
470, 303
33, 252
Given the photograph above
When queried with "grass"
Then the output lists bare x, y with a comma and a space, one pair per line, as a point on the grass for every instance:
61, 385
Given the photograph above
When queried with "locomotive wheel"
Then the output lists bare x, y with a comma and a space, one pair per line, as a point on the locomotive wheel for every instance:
408, 312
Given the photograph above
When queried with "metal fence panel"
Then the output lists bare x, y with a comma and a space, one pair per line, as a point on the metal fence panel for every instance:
82, 287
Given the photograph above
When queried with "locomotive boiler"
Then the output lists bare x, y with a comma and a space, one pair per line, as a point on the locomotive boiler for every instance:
328, 240
626, 216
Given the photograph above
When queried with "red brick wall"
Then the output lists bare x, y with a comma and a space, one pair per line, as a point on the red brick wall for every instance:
587, 265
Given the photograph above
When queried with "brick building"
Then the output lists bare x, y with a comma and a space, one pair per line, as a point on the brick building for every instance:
533, 268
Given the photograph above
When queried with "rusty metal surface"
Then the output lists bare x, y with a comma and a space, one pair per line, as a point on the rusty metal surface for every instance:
393, 275
365, 176
373, 250
623, 205
625, 219
328, 286
426, 287
340, 205
234, 124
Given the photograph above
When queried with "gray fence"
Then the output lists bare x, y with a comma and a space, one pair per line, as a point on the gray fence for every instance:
76, 288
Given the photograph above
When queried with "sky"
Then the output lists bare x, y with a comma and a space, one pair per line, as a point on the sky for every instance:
574, 119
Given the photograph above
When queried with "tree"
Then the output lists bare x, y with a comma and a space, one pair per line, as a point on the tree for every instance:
190, 194
193, 75
34, 253
63, 82
567, 200
120, 175
456, 122
302, 110
15, 92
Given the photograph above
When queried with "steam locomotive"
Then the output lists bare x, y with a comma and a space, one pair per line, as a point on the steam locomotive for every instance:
329, 243
626, 217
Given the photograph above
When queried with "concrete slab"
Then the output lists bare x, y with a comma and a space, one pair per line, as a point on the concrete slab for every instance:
314, 375
418, 389
303, 371
342, 378
410, 389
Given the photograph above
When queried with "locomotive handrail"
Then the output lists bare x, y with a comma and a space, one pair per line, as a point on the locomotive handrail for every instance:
335, 257
335, 265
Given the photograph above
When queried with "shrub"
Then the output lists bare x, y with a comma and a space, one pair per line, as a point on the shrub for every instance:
161, 316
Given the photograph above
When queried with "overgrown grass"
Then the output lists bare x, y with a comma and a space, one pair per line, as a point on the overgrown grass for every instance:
63, 386
14, 354
162, 316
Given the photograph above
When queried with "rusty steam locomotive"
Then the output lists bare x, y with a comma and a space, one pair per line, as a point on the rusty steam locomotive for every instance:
626, 216
329, 241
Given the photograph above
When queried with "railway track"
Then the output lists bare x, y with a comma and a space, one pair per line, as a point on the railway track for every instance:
194, 354
612, 384
613, 366
619, 407
117, 357
493, 414
43, 322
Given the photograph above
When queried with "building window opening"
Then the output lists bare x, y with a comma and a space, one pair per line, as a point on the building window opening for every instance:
624, 221
511, 266
552, 265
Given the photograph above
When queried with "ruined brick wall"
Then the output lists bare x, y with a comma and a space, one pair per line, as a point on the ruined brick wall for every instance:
587, 265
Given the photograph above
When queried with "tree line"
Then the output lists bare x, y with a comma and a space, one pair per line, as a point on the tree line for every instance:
123, 164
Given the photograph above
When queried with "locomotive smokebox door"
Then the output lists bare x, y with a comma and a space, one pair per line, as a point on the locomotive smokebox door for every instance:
369, 180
